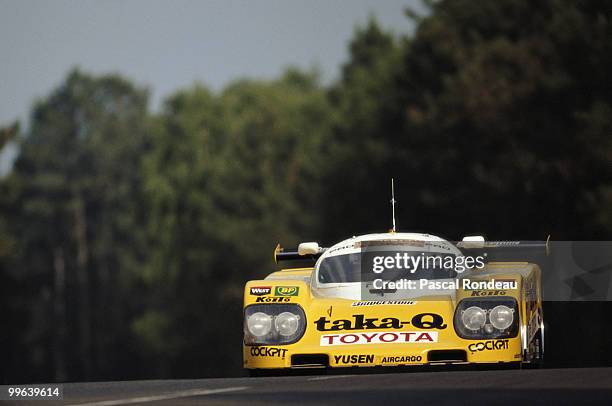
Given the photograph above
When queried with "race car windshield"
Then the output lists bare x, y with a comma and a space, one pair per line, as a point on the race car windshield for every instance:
347, 268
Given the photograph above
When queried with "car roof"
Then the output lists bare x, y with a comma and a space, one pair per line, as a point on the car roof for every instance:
352, 244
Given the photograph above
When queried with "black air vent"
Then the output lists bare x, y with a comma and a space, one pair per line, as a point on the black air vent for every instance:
447, 356
309, 360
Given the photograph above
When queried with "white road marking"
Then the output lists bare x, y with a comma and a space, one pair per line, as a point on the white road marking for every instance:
324, 378
168, 396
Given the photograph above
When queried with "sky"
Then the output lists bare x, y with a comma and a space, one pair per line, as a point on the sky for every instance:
168, 45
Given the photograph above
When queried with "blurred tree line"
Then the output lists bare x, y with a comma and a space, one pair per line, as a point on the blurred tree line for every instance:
126, 236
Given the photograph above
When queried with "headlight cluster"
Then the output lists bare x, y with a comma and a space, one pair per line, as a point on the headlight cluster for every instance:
274, 324
486, 318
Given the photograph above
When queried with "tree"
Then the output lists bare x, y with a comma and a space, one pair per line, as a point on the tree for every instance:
227, 177
490, 113
74, 217
360, 151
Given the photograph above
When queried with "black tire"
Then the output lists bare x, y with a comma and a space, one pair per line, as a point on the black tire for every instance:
259, 373
537, 360
254, 373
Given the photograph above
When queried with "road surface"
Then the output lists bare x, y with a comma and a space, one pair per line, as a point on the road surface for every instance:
583, 386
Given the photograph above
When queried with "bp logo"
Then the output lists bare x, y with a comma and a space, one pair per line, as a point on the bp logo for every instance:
286, 290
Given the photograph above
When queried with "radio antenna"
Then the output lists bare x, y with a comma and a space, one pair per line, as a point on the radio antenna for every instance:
393, 205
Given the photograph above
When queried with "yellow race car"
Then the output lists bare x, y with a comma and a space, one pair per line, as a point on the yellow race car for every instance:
396, 299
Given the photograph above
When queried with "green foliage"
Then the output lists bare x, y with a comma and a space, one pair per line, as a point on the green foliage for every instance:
482, 120
227, 175
72, 209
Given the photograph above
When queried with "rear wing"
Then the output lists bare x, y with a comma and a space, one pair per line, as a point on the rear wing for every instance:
307, 254
521, 251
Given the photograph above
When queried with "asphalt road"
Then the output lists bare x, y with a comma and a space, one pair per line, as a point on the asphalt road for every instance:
583, 386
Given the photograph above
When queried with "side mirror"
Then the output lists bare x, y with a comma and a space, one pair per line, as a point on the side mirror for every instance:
308, 248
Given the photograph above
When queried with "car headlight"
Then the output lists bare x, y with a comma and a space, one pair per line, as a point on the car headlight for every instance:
273, 324
501, 317
287, 323
474, 318
486, 318
259, 324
